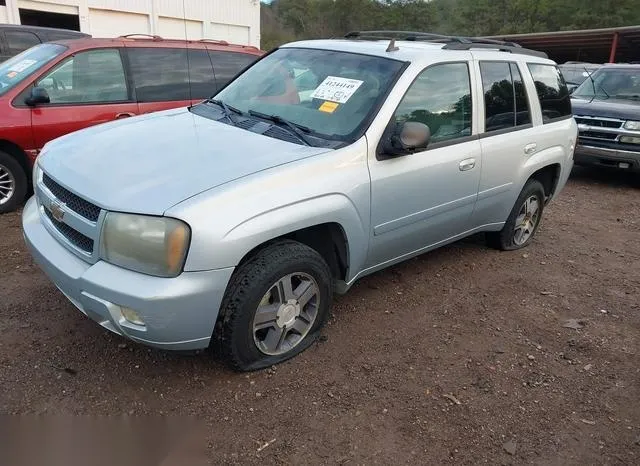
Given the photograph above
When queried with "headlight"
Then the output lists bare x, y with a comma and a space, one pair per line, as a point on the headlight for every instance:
632, 125
152, 245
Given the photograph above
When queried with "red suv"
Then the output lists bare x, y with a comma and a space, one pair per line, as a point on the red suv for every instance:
59, 87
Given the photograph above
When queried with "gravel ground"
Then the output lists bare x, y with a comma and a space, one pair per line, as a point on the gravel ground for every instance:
461, 356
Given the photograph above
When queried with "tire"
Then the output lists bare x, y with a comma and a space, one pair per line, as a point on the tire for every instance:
257, 287
13, 183
509, 239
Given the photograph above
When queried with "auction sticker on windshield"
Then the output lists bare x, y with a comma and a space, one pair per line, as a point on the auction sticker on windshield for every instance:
336, 89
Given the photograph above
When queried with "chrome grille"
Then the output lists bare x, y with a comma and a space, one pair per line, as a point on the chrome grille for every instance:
77, 204
598, 135
75, 237
599, 122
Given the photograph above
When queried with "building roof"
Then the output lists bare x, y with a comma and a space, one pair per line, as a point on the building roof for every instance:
589, 45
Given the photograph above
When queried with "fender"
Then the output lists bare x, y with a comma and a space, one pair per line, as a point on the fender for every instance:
330, 208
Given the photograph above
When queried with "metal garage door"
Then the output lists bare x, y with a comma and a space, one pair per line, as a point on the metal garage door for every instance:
174, 28
230, 33
105, 23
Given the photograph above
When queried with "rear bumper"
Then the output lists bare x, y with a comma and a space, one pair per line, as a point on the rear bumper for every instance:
607, 157
179, 313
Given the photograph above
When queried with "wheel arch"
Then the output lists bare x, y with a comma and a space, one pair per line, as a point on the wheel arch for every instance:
548, 176
328, 224
17, 153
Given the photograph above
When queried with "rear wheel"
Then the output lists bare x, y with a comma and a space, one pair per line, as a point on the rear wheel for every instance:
13, 183
274, 306
524, 220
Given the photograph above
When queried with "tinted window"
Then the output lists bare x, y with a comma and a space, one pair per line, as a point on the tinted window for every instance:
203, 83
160, 74
20, 40
505, 97
552, 91
523, 112
228, 64
89, 77
441, 99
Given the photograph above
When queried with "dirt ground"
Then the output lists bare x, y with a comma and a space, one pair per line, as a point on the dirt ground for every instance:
461, 356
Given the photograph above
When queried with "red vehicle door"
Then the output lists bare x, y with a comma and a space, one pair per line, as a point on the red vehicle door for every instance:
86, 89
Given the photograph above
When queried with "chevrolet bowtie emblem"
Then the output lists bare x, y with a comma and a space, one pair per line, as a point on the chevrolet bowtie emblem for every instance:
57, 210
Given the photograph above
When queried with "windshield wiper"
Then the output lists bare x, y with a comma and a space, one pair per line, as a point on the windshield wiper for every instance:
226, 109
297, 130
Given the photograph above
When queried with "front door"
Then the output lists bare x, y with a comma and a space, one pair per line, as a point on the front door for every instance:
86, 89
425, 198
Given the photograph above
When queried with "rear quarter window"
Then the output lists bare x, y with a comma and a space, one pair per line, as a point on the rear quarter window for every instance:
227, 65
552, 91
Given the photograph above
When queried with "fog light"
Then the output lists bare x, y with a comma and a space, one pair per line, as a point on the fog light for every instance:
132, 316
630, 139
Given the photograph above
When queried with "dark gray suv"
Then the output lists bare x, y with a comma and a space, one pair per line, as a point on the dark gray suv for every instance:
607, 110
15, 38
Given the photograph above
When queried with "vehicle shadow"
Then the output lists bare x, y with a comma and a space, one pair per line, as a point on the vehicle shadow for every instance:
613, 178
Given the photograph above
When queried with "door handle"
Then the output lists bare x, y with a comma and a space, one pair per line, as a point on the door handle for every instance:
530, 148
125, 115
467, 164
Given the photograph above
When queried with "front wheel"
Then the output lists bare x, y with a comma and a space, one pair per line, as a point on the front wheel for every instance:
524, 220
13, 183
274, 306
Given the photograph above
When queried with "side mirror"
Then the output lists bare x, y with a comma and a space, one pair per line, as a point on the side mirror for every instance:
406, 138
38, 96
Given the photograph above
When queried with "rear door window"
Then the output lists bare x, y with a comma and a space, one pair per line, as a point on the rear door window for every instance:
505, 97
552, 92
160, 74
18, 41
227, 65
203, 82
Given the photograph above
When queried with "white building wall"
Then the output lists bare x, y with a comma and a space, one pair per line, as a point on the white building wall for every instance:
4, 14
232, 20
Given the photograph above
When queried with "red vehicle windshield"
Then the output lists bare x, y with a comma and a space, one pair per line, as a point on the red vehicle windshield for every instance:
18, 68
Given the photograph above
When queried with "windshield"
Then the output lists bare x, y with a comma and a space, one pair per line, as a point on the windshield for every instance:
16, 69
330, 94
614, 83
576, 74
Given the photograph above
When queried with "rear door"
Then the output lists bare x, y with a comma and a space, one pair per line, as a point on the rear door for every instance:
201, 77
160, 76
507, 138
86, 89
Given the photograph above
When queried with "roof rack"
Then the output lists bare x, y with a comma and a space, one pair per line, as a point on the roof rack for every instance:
214, 41
451, 42
141, 36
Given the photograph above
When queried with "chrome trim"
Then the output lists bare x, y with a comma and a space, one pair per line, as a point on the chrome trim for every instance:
604, 151
600, 129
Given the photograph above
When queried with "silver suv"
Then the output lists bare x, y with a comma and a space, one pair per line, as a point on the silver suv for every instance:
232, 222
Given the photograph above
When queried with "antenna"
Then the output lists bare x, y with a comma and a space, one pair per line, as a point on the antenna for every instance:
186, 42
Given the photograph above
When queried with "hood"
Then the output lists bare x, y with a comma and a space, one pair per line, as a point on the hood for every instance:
609, 108
150, 163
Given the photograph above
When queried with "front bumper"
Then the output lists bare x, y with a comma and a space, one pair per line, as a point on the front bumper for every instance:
607, 157
179, 313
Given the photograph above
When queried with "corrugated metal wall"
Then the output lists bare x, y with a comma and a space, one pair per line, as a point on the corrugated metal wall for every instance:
232, 20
